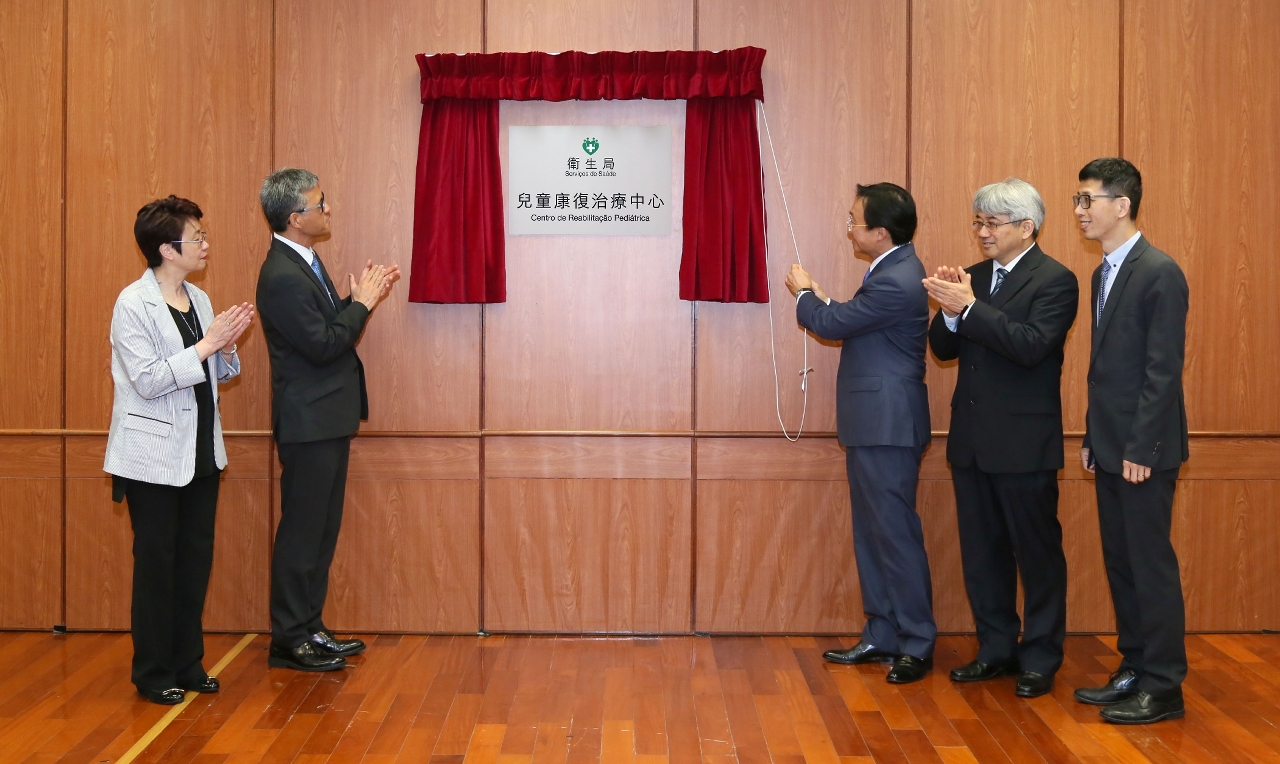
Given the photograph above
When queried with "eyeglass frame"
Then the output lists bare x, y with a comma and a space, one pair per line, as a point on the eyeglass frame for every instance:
204, 237
978, 225
1079, 200
322, 205
850, 225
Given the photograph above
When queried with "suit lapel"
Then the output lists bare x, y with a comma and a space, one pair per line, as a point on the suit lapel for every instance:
892, 258
1117, 290
158, 309
980, 281
290, 254
1019, 277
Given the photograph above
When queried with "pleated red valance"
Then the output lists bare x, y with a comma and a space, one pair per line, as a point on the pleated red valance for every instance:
458, 241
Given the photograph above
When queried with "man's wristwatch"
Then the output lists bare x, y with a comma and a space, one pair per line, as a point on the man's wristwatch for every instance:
800, 292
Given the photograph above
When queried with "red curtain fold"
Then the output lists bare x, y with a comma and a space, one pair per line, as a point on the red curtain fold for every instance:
459, 246
609, 75
723, 258
459, 253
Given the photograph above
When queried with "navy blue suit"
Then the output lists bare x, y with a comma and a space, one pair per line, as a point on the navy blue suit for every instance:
882, 415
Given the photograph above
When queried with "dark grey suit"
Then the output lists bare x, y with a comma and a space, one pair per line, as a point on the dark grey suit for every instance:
1005, 450
1137, 414
882, 415
317, 401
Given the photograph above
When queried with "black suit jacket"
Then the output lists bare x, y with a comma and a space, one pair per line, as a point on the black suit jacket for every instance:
1136, 408
1006, 413
317, 380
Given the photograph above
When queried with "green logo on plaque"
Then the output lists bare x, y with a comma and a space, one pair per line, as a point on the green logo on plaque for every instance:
591, 146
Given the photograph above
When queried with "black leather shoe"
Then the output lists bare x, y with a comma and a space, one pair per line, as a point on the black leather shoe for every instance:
170, 697
329, 646
208, 684
909, 668
1033, 685
304, 657
1144, 708
977, 671
859, 653
1120, 687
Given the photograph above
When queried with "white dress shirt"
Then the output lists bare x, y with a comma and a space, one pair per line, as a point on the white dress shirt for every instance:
1116, 258
953, 322
307, 253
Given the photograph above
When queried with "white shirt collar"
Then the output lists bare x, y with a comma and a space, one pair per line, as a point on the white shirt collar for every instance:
876, 262
307, 254
1015, 260
1121, 252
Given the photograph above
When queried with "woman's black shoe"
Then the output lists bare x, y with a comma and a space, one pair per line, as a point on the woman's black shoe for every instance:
170, 697
209, 684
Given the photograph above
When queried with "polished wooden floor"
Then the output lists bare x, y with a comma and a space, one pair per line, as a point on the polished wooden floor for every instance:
456, 700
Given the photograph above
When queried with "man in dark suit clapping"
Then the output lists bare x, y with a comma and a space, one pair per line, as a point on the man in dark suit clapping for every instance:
1135, 442
317, 401
882, 415
1006, 319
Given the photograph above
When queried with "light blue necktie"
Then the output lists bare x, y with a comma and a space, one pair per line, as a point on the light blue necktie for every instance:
315, 266
1000, 274
1102, 288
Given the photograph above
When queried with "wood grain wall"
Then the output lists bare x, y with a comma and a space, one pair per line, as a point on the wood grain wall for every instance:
595, 455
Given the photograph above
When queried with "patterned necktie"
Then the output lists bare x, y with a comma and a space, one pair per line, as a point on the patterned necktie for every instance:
1102, 288
315, 266
866, 276
1000, 274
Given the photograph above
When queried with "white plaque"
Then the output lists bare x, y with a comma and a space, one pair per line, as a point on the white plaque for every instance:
612, 180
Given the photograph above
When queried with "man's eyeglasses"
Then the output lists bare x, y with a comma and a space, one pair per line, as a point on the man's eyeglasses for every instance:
320, 206
200, 238
852, 225
991, 226
1084, 201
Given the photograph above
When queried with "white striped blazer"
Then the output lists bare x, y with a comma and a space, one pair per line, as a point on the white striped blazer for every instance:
153, 419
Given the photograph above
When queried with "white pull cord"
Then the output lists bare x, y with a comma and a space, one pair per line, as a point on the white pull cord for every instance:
805, 370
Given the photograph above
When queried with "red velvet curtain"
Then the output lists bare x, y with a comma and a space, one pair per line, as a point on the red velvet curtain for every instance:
459, 252
723, 258
458, 241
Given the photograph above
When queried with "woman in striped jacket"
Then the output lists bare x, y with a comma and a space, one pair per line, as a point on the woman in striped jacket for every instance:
165, 451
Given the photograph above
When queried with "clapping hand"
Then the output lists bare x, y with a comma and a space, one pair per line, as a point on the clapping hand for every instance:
225, 329
374, 284
951, 288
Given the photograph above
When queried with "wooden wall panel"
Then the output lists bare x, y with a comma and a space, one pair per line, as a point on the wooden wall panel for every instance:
1002, 88
556, 25
583, 555
1225, 532
776, 557
239, 595
31, 544
1200, 122
99, 556
835, 81
30, 456
164, 98
347, 108
408, 557
593, 335
31, 213
587, 457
